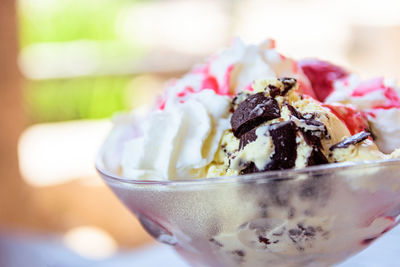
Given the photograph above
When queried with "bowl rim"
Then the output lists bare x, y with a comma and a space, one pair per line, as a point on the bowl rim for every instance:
276, 175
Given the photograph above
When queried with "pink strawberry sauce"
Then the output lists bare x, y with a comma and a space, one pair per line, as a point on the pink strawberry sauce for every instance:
322, 75
355, 121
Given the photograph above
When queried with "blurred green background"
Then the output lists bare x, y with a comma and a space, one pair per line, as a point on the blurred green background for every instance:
80, 96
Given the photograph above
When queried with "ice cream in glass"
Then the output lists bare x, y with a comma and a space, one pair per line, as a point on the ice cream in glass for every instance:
255, 159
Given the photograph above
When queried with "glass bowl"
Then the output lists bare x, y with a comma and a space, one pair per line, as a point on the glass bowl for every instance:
317, 216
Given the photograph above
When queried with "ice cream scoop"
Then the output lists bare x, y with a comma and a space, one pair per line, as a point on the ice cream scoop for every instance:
273, 127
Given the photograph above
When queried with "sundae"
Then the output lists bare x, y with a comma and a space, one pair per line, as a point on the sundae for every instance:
250, 109
255, 159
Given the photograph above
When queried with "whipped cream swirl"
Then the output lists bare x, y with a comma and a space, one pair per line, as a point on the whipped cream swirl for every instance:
177, 142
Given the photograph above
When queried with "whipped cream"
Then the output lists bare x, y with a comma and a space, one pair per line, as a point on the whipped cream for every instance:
179, 141
385, 125
235, 69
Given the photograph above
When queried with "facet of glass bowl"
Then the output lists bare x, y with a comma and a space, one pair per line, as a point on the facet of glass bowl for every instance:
317, 216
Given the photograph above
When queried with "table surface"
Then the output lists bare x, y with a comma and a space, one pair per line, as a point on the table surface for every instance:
18, 250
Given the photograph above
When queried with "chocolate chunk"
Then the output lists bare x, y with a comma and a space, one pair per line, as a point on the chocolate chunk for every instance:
274, 91
252, 112
352, 140
312, 138
302, 234
264, 240
215, 242
288, 84
248, 137
314, 122
308, 118
284, 138
295, 232
240, 253
294, 111
307, 231
316, 157
251, 168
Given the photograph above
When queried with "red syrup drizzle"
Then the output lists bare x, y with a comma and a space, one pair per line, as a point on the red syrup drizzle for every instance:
322, 75
355, 121
375, 85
